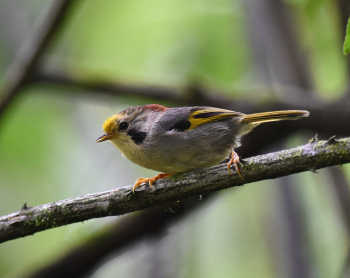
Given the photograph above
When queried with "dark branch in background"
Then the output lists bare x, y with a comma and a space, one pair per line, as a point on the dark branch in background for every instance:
122, 200
327, 118
193, 94
274, 43
113, 239
28, 57
344, 12
340, 188
342, 194
279, 58
294, 246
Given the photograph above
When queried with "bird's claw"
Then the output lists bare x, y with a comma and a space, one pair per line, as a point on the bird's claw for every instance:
149, 181
235, 161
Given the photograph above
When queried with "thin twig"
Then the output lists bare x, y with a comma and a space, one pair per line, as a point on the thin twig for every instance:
202, 181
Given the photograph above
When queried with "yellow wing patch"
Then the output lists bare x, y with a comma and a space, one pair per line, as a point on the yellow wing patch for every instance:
208, 115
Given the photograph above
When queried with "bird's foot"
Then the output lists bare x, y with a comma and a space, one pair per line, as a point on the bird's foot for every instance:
150, 181
235, 161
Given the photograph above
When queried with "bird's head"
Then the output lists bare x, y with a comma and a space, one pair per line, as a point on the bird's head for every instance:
129, 124
112, 127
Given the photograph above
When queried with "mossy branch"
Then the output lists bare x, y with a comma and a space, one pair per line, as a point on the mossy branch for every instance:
121, 200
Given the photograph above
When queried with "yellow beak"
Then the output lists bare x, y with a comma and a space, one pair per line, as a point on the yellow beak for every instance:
103, 137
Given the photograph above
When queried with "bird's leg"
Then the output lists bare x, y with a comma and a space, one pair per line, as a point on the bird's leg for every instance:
139, 182
235, 161
150, 181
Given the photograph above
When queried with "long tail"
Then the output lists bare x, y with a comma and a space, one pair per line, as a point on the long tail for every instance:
265, 117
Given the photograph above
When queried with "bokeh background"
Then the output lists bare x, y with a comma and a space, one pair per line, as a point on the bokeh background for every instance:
253, 52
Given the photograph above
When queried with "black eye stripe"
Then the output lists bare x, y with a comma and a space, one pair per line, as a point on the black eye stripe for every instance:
137, 136
123, 126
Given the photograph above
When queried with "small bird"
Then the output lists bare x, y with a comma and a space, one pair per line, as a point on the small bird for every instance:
180, 139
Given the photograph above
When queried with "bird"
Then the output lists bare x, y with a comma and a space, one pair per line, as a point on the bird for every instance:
174, 140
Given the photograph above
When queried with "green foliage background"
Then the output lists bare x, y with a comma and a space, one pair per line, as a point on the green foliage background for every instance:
347, 39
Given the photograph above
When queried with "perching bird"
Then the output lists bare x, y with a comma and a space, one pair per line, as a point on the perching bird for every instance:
180, 139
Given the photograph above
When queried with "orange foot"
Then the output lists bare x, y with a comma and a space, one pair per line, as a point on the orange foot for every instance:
234, 160
150, 181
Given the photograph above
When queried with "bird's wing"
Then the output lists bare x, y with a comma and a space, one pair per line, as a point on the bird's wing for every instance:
204, 115
186, 118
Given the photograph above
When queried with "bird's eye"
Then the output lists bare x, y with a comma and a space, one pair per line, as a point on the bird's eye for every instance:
123, 126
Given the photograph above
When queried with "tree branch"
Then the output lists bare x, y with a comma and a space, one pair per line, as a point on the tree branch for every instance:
29, 55
275, 44
121, 200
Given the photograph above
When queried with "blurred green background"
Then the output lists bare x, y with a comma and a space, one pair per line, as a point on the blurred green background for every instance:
47, 141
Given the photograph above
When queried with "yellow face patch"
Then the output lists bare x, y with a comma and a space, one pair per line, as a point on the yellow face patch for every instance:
203, 116
111, 123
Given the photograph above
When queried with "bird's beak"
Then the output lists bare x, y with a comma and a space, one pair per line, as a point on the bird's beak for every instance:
103, 137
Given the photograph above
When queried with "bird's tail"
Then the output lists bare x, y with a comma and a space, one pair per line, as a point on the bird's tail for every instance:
265, 117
